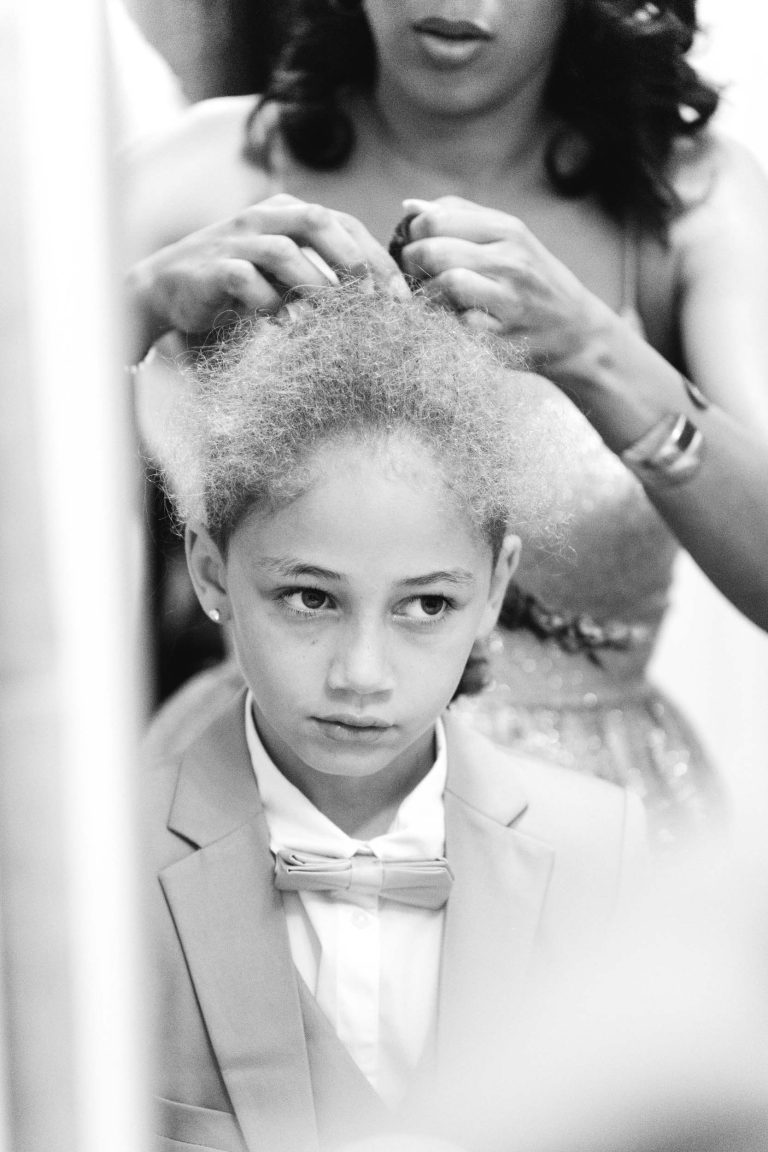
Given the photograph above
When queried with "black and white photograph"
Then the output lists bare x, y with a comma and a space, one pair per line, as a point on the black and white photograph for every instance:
384, 628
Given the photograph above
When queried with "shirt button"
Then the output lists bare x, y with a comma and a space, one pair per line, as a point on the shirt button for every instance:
360, 919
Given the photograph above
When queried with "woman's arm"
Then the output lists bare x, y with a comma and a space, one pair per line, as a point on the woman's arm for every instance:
495, 271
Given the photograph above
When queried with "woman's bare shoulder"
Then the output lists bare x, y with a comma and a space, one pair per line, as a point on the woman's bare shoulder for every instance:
723, 190
190, 174
209, 123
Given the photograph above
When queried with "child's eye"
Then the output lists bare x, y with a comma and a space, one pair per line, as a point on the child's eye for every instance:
425, 608
306, 601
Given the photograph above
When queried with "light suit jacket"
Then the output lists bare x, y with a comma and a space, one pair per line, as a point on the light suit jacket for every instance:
246, 1061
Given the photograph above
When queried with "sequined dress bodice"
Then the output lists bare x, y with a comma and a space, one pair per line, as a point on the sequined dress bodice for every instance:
610, 558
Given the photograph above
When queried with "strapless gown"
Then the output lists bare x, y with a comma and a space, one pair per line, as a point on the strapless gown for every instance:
612, 562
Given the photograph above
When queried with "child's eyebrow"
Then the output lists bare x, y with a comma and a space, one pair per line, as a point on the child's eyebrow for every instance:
295, 569
458, 576
282, 566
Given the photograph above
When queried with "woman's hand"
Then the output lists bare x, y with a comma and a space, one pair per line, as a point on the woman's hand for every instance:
493, 270
249, 264
490, 267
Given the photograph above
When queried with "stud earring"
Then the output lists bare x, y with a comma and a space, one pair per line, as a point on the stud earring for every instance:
214, 615
646, 13
495, 643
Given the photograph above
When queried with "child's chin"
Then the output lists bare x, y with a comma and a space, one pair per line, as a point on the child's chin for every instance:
349, 763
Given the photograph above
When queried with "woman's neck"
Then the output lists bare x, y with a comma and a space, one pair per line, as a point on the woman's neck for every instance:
481, 147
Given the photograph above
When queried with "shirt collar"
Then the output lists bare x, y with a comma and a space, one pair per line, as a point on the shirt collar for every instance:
416, 833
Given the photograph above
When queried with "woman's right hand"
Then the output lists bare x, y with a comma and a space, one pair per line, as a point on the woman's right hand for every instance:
496, 274
249, 264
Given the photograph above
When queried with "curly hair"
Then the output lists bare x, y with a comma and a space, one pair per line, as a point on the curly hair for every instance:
248, 417
620, 84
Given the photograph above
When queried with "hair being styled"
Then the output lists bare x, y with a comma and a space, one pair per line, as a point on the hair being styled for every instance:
620, 83
245, 424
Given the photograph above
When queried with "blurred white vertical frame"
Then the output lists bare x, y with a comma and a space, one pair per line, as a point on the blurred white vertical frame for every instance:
72, 1045
711, 659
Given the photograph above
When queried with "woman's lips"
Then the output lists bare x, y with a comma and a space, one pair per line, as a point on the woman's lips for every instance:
450, 43
452, 29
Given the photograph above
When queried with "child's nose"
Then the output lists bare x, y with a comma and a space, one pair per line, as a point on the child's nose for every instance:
361, 663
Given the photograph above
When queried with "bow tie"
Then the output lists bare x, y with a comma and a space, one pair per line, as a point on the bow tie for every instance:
423, 883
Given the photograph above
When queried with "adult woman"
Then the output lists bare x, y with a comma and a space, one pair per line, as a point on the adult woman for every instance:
584, 121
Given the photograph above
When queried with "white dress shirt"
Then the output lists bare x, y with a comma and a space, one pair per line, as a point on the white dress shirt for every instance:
371, 964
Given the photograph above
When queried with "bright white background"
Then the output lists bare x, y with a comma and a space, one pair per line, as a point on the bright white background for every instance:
711, 660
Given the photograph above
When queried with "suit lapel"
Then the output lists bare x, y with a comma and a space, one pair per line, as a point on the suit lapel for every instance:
230, 920
501, 881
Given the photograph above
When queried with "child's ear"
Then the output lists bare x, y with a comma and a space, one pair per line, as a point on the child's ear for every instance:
208, 571
504, 570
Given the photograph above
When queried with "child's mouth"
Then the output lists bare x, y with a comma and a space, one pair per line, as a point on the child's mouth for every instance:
352, 729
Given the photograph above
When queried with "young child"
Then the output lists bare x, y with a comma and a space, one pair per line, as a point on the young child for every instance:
348, 878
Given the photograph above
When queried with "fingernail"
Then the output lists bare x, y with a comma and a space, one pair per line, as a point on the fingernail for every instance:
398, 286
295, 309
316, 259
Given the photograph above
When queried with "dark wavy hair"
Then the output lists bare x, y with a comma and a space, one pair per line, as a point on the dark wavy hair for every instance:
620, 83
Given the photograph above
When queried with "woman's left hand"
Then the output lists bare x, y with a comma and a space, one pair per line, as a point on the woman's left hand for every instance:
491, 268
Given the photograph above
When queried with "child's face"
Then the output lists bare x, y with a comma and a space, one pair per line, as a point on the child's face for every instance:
354, 610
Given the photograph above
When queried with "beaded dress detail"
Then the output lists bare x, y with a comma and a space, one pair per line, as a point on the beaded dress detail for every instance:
593, 709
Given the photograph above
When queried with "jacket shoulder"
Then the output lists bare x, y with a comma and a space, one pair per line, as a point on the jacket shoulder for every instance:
179, 724
596, 829
551, 792
182, 718
559, 798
